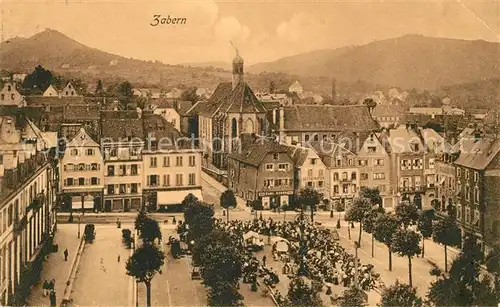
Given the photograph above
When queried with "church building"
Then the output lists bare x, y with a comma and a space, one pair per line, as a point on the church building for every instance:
232, 111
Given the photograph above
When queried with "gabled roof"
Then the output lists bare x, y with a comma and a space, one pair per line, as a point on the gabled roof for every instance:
256, 153
225, 99
54, 100
119, 129
74, 112
158, 127
388, 110
481, 154
297, 154
82, 139
328, 118
121, 114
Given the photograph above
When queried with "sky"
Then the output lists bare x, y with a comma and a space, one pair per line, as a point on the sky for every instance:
262, 30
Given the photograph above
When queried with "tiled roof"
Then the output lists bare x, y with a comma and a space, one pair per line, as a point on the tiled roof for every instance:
111, 114
81, 112
53, 100
388, 110
158, 127
118, 129
481, 154
297, 154
271, 105
225, 99
257, 152
328, 118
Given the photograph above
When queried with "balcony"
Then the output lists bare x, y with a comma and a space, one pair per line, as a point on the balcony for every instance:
37, 202
20, 224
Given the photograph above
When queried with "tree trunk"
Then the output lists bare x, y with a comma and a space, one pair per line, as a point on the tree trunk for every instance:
445, 259
423, 247
348, 231
360, 232
373, 251
409, 272
312, 214
148, 294
390, 258
227, 215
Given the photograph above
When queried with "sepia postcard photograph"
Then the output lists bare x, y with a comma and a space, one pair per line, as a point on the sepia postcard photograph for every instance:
288, 153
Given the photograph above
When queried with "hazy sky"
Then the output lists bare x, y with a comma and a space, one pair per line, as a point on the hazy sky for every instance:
263, 30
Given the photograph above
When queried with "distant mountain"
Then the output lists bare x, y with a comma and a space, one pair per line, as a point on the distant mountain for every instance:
411, 61
479, 94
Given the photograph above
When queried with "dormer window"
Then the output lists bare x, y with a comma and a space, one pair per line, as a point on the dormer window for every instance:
9, 88
414, 147
276, 156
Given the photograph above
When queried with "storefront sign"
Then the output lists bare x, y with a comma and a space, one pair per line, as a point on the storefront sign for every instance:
275, 193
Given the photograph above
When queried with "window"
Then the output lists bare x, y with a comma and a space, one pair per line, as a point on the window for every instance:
94, 181
415, 147
123, 170
152, 162
111, 170
378, 162
432, 163
12, 96
192, 179
166, 180
276, 156
364, 176
178, 180
476, 195
349, 162
353, 176
379, 176
269, 183
153, 180
94, 167
345, 188
344, 176
336, 176
321, 173
90, 152
74, 152
313, 161
467, 174
166, 161
9, 88
371, 148
467, 215
113, 152
338, 162
134, 188
69, 182
310, 184
283, 167
192, 160
316, 138
269, 167
81, 181
111, 189
309, 172
477, 216
81, 167
467, 192
362, 162
336, 189
123, 189
476, 177
353, 188
178, 161
417, 181
417, 163
306, 137
133, 169
320, 184
459, 173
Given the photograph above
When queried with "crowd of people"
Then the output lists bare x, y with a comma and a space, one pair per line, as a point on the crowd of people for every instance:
324, 259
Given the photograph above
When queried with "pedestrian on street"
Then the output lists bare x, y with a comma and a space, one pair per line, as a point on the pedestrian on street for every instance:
264, 260
45, 287
66, 253
52, 298
118, 258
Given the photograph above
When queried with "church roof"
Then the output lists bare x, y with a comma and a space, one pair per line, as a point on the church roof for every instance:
225, 99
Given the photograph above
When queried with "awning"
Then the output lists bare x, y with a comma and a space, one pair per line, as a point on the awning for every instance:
176, 197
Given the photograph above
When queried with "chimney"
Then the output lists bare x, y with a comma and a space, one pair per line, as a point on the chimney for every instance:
176, 105
282, 119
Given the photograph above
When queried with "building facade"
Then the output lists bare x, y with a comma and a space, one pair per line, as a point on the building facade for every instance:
10, 96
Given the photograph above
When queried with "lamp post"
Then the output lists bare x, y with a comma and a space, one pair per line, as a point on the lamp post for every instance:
356, 246
79, 226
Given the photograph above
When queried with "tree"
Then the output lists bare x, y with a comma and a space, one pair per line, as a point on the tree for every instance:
406, 242
143, 266
199, 218
369, 222
424, 226
125, 90
493, 260
357, 212
373, 194
207, 242
38, 80
370, 103
222, 263
406, 213
189, 200
446, 232
139, 220
464, 286
150, 231
99, 90
190, 95
339, 207
400, 294
385, 226
227, 201
309, 198
301, 292
272, 87
224, 294
353, 297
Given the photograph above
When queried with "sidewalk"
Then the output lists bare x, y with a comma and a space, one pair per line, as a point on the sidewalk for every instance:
221, 188
55, 267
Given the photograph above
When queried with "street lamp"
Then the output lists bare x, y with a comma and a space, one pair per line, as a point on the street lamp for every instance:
79, 227
356, 246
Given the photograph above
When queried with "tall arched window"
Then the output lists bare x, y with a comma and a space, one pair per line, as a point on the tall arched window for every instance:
234, 128
262, 127
249, 126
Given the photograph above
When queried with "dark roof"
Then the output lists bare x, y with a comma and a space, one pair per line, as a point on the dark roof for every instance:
158, 127
111, 114
53, 100
258, 151
118, 129
328, 118
481, 154
225, 99
297, 154
85, 112
271, 105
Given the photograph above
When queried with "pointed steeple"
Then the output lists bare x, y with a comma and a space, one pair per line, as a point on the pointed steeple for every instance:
237, 68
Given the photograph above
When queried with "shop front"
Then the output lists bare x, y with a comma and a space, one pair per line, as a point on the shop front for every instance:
275, 199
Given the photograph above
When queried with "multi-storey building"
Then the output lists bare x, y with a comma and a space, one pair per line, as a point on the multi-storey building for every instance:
262, 172
172, 165
478, 191
10, 96
310, 171
81, 179
387, 115
122, 141
231, 111
374, 164
27, 206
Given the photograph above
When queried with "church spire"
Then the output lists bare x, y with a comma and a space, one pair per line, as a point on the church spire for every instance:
237, 68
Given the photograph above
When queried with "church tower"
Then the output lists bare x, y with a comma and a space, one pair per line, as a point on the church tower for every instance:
237, 70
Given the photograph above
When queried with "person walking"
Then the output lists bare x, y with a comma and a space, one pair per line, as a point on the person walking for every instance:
66, 253
52, 298
45, 287
264, 260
